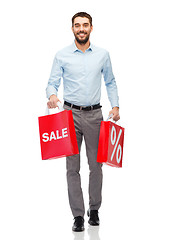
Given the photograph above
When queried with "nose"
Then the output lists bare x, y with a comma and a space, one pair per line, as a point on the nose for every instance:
81, 28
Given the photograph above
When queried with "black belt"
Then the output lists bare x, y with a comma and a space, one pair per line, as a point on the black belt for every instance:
88, 108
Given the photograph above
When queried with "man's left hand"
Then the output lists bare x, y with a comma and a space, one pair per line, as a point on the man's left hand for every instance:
115, 112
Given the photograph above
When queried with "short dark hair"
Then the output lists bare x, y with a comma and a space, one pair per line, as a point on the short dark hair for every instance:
82, 14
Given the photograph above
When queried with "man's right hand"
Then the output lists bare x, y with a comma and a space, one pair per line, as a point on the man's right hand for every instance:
52, 103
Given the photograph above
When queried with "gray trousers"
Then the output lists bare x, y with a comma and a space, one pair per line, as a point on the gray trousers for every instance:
87, 125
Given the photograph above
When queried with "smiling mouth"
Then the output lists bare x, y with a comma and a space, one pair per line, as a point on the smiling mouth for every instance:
81, 34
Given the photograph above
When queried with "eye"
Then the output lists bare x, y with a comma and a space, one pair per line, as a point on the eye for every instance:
86, 25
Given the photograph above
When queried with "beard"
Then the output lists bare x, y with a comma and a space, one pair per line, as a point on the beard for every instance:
82, 41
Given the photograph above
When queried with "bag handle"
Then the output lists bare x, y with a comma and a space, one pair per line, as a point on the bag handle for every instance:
56, 110
110, 116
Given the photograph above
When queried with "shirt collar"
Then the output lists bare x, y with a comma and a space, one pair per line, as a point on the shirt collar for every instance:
74, 47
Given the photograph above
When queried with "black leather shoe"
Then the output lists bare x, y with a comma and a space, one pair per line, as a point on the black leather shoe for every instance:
78, 225
93, 217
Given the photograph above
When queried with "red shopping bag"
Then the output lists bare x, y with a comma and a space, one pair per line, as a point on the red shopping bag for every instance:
57, 135
110, 147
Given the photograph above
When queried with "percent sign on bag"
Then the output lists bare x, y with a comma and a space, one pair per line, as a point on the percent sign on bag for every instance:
110, 147
116, 145
115, 142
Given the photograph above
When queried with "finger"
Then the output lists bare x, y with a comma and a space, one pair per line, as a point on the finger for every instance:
53, 105
116, 118
48, 105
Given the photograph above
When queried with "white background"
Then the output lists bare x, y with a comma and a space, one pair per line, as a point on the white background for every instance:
33, 193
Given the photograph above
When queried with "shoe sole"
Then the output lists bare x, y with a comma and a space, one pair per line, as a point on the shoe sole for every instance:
78, 230
92, 224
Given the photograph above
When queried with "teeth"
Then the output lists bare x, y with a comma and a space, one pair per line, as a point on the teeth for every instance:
82, 35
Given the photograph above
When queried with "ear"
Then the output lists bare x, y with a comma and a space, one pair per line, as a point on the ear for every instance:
91, 28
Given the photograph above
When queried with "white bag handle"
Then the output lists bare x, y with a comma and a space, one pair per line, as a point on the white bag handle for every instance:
111, 119
54, 110
110, 116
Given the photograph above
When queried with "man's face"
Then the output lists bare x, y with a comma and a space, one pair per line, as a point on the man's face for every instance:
82, 29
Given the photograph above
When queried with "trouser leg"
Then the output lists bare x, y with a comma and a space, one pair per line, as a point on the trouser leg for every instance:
91, 131
75, 193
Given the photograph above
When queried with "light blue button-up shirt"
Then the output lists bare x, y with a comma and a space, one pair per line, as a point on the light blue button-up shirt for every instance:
82, 74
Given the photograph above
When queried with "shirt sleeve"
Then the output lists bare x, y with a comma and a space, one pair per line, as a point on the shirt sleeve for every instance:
55, 78
110, 82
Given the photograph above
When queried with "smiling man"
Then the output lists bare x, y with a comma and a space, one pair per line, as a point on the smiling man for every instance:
81, 66
82, 29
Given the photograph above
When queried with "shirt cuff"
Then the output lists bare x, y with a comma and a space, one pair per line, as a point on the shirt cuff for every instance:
115, 103
50, 90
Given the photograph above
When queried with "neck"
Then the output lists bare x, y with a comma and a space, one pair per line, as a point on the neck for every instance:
82, 47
